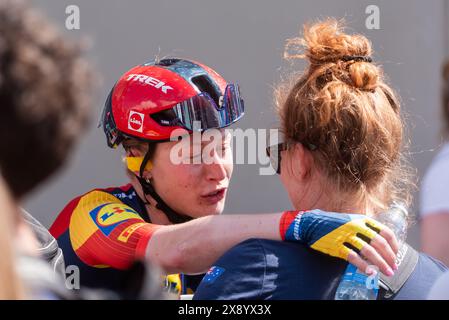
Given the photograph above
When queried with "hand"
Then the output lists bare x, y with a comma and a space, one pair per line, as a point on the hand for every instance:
351, 237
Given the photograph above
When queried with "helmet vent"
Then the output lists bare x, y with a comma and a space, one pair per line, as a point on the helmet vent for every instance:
164, 117
204, 85
167, 62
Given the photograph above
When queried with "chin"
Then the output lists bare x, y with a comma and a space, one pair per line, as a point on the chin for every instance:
205, 211
219, 207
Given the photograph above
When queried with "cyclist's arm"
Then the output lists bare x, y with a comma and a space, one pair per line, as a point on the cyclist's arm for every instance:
106, 232
192, 247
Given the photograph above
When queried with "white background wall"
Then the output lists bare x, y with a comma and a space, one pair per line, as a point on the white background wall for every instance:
244, 41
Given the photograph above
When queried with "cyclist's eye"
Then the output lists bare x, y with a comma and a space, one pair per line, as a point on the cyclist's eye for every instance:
195, 151
223, 147
195, 155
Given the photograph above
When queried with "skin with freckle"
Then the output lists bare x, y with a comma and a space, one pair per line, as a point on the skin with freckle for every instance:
184, 186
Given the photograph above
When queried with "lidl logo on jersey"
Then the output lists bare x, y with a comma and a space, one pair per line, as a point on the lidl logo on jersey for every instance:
108, 216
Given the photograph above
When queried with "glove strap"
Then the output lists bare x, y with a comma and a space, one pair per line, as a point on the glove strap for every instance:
289, 226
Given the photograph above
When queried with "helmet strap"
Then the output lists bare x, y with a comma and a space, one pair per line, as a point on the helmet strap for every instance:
148, 189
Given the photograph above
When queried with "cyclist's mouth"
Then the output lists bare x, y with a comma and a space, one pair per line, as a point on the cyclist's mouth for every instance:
215, 196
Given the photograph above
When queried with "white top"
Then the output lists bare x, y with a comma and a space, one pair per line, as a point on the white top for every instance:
440, 290
435, 185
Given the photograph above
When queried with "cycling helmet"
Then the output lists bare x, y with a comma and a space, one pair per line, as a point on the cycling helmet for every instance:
151, 101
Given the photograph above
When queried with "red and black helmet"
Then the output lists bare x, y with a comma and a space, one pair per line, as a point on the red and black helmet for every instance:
152, 100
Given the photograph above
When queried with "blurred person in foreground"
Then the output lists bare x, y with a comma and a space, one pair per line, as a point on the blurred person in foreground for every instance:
10, 284
45, 92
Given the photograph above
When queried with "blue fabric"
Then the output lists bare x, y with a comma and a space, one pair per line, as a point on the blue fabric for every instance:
315, 224
264, 269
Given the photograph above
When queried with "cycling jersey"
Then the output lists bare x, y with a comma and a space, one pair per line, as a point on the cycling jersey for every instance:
103, 232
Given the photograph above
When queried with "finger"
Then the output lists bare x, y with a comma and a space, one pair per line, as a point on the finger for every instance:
364, 249
384, 249
389, 235
344, 252
366, 231
374, 225
385, 232
356, 260
374, 258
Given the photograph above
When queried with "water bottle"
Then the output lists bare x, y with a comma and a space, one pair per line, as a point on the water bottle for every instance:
396, 219
355, 284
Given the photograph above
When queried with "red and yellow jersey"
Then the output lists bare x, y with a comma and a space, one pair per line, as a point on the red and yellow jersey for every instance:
103, 232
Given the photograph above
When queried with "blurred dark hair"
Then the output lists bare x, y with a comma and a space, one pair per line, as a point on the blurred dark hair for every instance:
45, 89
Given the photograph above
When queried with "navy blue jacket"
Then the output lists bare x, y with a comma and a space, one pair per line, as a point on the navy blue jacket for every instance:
264, 269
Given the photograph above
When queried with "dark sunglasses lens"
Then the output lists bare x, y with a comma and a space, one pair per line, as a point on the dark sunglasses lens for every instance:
274, 153
233, 104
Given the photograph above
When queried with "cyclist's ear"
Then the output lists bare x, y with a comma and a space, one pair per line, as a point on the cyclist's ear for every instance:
134, 151
134, 148
298, 161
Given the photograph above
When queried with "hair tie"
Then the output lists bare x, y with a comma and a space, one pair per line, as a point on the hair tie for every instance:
357, 58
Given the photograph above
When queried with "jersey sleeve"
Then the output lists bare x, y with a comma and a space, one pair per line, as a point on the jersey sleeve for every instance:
237, 275
104, 232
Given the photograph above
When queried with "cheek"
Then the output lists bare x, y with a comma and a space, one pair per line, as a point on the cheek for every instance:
285, 176
229, 164
288, 185
179, 185
284, 180
177, 177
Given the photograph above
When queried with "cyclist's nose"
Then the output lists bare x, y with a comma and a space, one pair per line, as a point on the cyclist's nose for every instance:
218, 169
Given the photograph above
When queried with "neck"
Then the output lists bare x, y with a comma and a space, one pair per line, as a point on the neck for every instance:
157, 216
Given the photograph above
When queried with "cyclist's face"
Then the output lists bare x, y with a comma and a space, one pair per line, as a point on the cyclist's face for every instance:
193, 176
